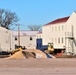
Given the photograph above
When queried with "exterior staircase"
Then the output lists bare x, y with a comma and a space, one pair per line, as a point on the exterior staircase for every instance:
70, 43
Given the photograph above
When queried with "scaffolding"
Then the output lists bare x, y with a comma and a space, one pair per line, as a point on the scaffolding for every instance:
70, 42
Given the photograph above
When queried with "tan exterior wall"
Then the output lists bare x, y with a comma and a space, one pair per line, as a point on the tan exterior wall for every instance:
25, 41
5, 39
54, 34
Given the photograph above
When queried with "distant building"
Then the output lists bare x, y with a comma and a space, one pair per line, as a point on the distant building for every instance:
27, 39
61, 33
5, 39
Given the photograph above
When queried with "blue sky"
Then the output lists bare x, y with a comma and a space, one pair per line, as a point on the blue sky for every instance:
39, 12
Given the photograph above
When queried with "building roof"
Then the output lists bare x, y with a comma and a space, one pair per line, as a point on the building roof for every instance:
39, 33
24, 32
59, 20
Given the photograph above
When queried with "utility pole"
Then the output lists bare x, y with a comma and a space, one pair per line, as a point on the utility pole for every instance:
18, 34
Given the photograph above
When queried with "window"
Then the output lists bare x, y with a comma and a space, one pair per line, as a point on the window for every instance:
30, 38
55, 40
59, 28
40, 36
15, 38
58, 40
55, 28
37, 36
62, 28
62, 40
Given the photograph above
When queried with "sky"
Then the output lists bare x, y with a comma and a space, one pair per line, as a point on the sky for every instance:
38, 12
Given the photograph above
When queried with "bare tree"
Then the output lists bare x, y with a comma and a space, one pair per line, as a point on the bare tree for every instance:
7, 18
35, 27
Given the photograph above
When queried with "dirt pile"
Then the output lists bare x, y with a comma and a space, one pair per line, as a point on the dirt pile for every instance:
38, 53
17, 55
29, 53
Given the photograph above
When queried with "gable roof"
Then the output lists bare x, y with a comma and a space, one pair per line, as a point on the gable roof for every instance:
59, 20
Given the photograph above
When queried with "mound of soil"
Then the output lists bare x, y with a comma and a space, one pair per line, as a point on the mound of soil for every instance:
29, 53
17, 55
37, 52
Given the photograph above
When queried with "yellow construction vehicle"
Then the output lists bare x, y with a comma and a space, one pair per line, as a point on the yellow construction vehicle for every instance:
50, 48
18, 48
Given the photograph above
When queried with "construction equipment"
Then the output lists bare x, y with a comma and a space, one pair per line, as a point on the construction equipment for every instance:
50, 48
18, 48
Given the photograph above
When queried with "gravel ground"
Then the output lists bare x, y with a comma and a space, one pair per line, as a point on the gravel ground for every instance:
58, 66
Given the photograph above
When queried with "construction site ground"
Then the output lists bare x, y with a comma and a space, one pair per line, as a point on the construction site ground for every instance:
41, 66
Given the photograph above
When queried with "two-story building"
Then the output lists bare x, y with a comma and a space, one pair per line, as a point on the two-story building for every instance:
61, 33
